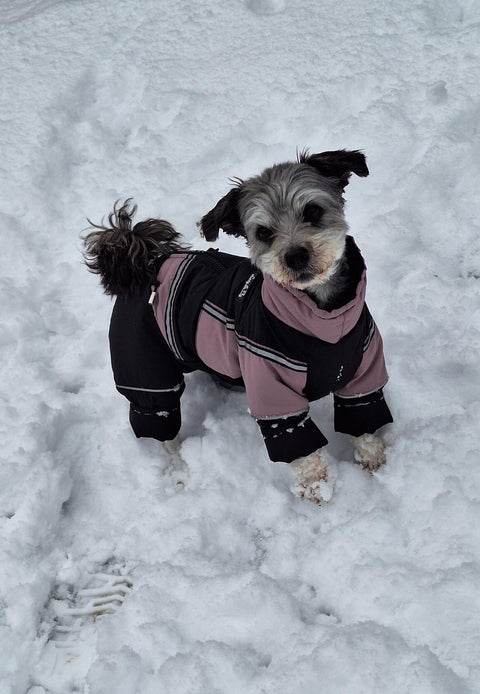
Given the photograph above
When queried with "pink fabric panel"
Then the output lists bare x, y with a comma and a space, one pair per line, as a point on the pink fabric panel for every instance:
297, 309
273, 390
165, 277
217, 346
372, 372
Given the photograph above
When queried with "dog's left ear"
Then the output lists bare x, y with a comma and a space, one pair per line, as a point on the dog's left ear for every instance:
224, 216
338, 165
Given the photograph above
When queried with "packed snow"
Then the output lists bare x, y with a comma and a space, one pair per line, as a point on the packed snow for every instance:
126, 568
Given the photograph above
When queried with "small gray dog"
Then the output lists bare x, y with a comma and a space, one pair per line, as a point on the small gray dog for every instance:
289, 323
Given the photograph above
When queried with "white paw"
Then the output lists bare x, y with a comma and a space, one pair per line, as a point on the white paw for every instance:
312, 480
369, 451
319, 492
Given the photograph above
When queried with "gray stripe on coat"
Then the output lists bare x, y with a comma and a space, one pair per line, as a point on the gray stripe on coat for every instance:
152, 390
271, 356
222, 317
169, 308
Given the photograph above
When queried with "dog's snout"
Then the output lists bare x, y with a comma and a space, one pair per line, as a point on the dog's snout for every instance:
297, 258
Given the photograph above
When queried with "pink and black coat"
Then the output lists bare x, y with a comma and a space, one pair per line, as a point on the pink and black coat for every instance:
215, 312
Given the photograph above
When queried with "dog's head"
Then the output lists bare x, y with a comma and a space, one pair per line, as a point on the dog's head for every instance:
292, 216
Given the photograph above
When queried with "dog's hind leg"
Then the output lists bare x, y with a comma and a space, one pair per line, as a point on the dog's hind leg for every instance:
177, 469
173, 447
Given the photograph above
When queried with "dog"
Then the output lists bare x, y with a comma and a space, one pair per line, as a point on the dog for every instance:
289, 324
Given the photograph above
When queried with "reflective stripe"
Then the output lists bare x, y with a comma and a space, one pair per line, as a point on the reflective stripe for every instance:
169, 309
152, 390
215, 312
361, 395
271, 356
275, 417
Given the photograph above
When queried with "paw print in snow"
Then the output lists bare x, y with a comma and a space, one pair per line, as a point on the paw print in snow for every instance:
264, 7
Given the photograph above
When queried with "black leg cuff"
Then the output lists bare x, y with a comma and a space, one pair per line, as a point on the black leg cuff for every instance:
361, 415
289, 438
162, 425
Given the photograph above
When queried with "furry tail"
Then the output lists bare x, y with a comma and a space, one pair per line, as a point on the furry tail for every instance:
122, 254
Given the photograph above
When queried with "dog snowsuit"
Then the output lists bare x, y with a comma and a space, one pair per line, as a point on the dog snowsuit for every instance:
216, 312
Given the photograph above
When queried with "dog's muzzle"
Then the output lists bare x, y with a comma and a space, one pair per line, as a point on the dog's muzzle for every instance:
297, 258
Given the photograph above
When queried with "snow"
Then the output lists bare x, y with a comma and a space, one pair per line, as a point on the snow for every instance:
236, 585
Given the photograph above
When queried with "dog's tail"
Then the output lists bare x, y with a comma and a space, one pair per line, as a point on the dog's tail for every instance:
122, 254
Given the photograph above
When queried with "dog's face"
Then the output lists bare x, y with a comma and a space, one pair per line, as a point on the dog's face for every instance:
294, 224
292, 216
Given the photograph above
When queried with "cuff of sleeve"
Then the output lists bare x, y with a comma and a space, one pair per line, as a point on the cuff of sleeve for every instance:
361, 415
162, 425
289, 438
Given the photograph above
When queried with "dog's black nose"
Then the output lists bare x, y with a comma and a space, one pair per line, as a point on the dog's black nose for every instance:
297, 258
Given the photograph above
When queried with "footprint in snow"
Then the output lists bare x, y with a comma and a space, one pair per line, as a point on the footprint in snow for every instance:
69, 629
101, 594
266, 7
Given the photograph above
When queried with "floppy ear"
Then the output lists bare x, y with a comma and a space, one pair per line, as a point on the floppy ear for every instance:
339, 164
223, 216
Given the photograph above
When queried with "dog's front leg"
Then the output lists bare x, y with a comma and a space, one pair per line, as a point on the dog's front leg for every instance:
369, 451
311, 478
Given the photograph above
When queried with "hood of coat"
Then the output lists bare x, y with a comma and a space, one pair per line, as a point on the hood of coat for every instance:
298, 310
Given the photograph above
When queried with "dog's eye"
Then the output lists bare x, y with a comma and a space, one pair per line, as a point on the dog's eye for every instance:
264, 234
312, 214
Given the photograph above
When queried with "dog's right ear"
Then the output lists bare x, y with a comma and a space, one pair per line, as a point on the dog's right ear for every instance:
224, 216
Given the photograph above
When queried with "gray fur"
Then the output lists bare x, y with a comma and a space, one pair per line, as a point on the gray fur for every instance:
301, 253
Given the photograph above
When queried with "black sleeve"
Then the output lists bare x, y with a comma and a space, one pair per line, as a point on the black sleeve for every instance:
145, 370
362, 414
289, 438
161, 422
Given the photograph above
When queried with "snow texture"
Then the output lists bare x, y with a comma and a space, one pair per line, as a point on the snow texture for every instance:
230, 583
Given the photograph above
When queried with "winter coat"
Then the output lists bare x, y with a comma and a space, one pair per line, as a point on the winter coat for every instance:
216, 312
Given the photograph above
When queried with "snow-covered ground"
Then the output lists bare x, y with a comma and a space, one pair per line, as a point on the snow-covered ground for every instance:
219, 580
